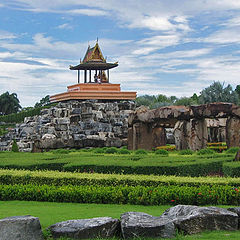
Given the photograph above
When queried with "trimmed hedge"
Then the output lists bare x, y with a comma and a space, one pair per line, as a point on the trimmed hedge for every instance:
231, 169
56, 178
204, 195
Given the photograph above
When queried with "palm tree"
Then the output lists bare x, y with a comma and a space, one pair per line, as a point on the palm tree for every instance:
9, 103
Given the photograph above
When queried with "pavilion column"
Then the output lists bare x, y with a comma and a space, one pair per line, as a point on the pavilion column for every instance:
90, 77
85, 76
108, 75
101, 76
78, 77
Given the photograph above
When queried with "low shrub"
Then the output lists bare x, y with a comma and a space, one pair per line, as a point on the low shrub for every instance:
233, 150
99, 150
231, 169
124, 151
15, 146
185, 152
206, 151
141, 152
167, 147
111, 150
161, 152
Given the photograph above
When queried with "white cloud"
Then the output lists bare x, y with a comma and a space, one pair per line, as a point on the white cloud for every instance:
88, 12
6, 35
65, 26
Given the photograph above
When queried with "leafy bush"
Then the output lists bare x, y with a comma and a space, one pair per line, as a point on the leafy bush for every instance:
124, 151
141, 151
111, 150
99, 150
161, 152
231, 169
15, 146
185, 152
206, 151
233, 150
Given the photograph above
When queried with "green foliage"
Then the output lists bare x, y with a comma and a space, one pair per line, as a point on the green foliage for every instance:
216, 92
162, 152
206, 151
111, 150
99, 150
43, 102
151, 163
139, 195
186, 152
124, 151
15, 146
141, 152
9, 103
233, 150
231, 169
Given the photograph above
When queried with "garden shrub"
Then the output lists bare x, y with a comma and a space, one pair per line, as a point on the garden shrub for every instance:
140, 195
124, 151
161, 152
167, 147
15, 146
231, 169
206, 151
141, 151
99, 150
233, 150
186, 152
111, 150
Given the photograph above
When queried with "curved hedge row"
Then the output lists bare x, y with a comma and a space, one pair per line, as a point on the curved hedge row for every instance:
203, 195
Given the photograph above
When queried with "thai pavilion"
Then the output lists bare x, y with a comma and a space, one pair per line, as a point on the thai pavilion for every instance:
96, 83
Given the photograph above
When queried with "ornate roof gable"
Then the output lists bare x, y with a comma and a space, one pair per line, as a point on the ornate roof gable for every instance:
94, 54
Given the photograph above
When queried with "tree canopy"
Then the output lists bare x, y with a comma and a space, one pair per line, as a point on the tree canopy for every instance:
9, 103
43, 102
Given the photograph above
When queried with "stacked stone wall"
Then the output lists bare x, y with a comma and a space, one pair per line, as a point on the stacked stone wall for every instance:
73, 124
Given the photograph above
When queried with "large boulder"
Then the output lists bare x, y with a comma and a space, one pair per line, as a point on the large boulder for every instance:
193, 219
20, 228
102, 227
139, 225
237, 211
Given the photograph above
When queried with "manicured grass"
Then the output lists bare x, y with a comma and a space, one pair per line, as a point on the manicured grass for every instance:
50, 213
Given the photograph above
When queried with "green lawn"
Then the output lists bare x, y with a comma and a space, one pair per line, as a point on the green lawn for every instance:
50, 213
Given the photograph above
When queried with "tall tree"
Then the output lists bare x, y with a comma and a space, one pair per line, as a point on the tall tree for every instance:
9, 103
216, 92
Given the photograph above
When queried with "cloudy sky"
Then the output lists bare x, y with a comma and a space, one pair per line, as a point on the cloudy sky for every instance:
169, 47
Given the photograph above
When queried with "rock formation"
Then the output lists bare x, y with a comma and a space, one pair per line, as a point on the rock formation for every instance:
190, 125
73, 124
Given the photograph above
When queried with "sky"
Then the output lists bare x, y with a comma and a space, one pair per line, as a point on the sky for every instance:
163, 47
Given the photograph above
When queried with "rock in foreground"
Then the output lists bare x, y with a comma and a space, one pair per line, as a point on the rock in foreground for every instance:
194, 219
138, 224
102, 227
20, 228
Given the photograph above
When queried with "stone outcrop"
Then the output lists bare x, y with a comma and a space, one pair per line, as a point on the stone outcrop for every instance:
73, 124
190, 125
20, 228
102, 227
237, 211
194, 219
142, 225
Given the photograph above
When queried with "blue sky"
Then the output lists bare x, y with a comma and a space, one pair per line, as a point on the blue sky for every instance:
163, 47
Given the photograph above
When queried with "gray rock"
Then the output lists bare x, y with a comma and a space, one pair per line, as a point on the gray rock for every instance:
194, 219
237, 211
139, 225
20, 228
102, 227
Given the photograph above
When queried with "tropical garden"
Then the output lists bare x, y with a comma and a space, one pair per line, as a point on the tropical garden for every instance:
65, 184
